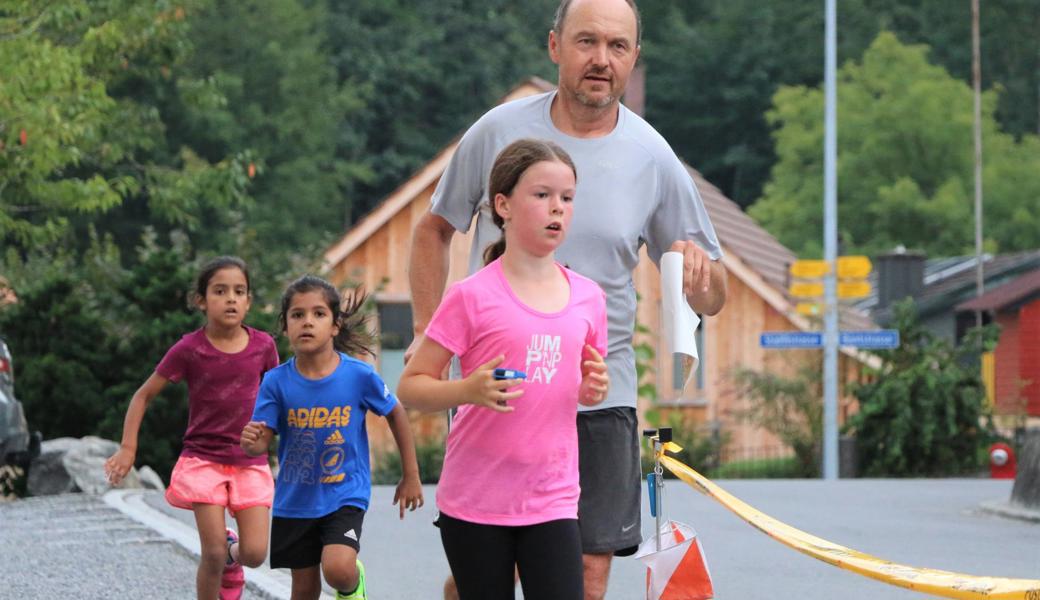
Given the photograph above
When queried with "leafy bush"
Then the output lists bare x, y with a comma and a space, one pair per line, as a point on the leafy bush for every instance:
789, 407
922, 412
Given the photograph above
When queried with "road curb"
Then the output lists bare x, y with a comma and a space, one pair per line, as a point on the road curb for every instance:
262, 580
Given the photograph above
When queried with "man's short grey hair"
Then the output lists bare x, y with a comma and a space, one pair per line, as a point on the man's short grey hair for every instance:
565, 5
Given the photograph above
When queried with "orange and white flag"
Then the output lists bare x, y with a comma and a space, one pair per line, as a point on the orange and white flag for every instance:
678, 571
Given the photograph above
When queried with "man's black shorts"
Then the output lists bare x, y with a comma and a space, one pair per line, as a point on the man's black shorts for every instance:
609, 470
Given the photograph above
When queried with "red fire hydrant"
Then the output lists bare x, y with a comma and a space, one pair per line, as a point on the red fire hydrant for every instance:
1001, 461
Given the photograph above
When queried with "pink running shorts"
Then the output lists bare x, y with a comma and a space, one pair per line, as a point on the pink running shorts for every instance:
195, 480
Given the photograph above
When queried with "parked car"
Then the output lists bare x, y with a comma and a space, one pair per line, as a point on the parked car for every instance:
18, 446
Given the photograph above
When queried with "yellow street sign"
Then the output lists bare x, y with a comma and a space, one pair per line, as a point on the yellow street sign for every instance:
809, 269
806, 290
853, 289
854, 267
809, 309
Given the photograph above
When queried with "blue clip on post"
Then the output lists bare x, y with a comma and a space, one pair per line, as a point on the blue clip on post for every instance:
651, 488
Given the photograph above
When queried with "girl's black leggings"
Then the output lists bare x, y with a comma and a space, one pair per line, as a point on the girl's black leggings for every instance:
547, 555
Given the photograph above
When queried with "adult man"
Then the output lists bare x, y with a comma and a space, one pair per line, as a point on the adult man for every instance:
632, 190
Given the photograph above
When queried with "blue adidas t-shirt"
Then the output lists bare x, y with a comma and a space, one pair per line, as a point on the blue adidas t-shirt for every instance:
323, 444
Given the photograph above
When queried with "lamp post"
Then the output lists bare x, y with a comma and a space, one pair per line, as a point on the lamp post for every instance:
976, 75
830, 246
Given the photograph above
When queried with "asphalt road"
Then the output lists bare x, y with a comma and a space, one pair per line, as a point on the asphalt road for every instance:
82, 547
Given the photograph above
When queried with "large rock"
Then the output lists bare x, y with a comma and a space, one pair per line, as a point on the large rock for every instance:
47, 473
1026, 491
85, 462
78, 465
150, 480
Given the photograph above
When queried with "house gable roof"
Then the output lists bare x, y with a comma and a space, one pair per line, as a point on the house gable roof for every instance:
950, 281
943, 293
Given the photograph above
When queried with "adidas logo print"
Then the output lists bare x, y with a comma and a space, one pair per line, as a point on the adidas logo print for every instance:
350, 534
335, 438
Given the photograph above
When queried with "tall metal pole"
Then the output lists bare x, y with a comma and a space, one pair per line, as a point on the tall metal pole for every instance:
830, 247
976, 75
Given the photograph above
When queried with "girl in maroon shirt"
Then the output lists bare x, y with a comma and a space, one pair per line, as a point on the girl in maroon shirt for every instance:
222, 363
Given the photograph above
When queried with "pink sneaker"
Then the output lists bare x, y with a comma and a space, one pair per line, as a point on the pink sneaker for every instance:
234, 578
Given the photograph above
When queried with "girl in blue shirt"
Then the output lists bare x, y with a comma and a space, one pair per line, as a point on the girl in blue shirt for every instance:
316, 403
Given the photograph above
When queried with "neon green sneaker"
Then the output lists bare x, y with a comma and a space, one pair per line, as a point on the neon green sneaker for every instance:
359, 593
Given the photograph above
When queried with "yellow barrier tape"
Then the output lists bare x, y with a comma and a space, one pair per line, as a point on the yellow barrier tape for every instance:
929, 581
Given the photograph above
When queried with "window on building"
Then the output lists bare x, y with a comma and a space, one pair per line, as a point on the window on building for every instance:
395, 334
965, 322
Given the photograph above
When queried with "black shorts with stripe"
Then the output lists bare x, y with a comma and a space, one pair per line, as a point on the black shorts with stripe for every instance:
297, 543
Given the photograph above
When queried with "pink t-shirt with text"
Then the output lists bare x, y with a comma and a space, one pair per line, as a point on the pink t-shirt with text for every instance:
521, 467
222, 391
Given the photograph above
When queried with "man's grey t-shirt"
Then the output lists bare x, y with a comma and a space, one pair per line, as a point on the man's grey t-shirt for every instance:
632, 190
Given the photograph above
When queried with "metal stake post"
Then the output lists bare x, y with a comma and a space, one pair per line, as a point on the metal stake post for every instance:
658, 438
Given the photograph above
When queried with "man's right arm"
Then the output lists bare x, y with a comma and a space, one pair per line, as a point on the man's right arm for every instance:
427, 271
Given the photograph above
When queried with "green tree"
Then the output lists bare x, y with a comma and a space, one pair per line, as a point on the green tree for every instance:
268, 61
712, 68
59, 334
1010, 47
71, 140
905, 162
427, 70
60, 359
714, 65
922, 412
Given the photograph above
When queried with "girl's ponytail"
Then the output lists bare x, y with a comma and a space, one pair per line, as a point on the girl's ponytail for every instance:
354, 337
492, 252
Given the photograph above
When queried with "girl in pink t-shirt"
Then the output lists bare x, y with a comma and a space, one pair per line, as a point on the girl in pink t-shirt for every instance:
508, 492
222, 363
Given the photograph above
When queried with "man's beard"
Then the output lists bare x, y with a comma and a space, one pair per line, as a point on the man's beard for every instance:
588, 101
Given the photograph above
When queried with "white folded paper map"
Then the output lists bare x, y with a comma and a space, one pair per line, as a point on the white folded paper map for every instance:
678, 321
